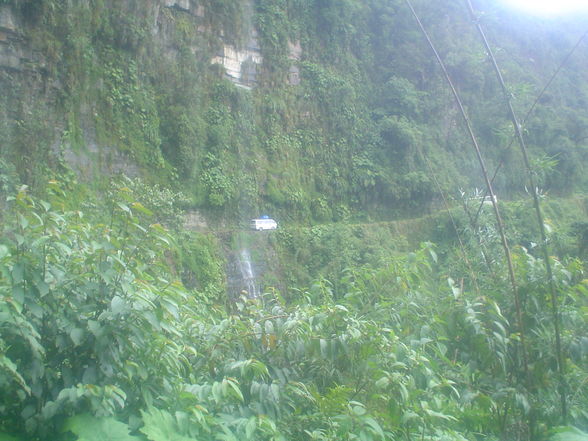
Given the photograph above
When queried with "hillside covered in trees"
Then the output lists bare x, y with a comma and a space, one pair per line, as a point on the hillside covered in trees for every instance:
396, 300
340, 104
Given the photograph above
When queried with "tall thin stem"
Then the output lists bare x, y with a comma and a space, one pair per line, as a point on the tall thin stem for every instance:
448, 210
538, 213
499, 223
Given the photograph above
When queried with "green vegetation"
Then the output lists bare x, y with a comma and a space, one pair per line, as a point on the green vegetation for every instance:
381, 317
121, 87
101, 340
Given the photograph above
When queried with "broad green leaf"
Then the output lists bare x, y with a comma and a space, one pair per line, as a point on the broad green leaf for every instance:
251, 427
139, 207
358, 410
408, 416
22, 221
77, 336
323, 345
46, 205
18, 294
217, 391
65, 250
158, 227
139, 227
436, 414
233, 384
91, 428
71, 394
171, 307
42, 287
19, 238
275, 391
118, 305
8, 366
94, 327
4, 251
376, 428
522, 402
36, 309
123, 207
382, 382
160, 425
18, 273
227, 435
569, 434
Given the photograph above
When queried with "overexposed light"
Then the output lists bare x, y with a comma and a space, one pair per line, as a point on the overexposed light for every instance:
549, 7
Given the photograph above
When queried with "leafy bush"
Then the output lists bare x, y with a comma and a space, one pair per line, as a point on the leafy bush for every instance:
99, 340
161, 204
88, 312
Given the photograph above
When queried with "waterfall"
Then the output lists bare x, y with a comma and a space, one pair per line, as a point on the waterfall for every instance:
247, 274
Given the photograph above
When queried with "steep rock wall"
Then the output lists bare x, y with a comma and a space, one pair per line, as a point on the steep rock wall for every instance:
153, 28
342, 105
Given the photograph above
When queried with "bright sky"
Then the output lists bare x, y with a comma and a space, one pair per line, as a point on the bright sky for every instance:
549, 7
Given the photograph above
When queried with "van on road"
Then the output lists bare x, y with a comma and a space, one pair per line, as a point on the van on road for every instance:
263, 224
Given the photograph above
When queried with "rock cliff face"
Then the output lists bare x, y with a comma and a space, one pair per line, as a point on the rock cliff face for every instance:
241, 65
15, 52
152, 28
312, 109
11, 53
17, 55
240, 62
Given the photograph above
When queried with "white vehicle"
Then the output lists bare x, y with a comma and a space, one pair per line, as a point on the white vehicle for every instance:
479, 196
488, 199
263, 224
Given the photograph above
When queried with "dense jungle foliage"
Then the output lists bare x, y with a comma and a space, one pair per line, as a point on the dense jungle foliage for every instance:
381, 316
101, 340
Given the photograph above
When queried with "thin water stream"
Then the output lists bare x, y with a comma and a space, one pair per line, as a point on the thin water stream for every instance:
247, 274
244, 271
